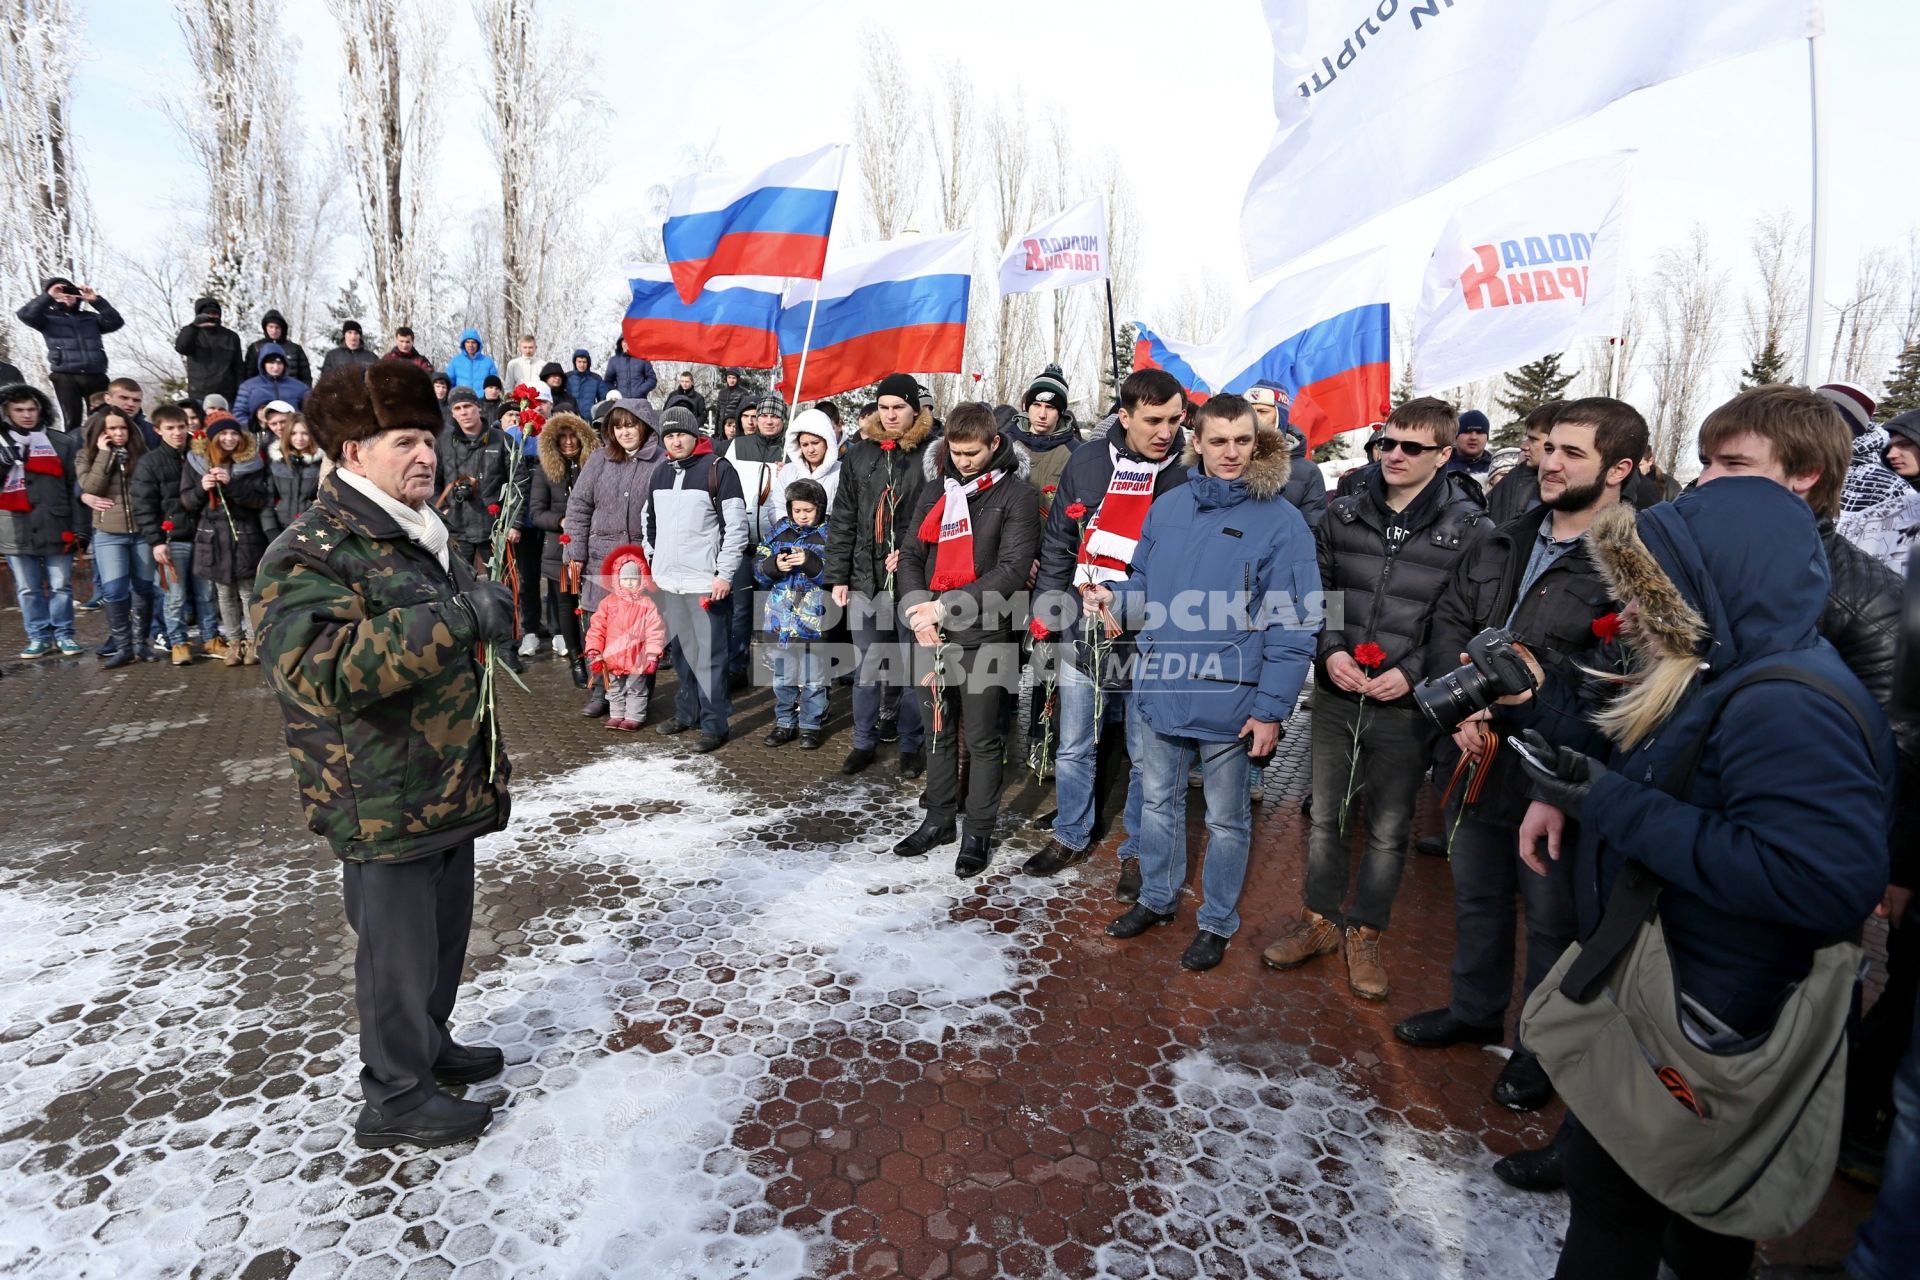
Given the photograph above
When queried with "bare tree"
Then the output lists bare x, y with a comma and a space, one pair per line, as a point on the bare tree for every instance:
1010, 164
46, 224
1876, 285
1689, 294
1779, 244
887, 135
953, 153
1200, 307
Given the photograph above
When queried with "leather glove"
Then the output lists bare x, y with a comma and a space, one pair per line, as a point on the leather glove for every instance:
1566, 783
490, 605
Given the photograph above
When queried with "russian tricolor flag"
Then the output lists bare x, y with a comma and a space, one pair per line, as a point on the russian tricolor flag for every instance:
1151, 351
771, 223
899, 305
1323, 335
734, 321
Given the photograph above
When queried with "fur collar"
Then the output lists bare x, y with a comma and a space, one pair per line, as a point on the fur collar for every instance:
552, 461
202, 447
277, 452
1268, 471
1666, 637
910, 439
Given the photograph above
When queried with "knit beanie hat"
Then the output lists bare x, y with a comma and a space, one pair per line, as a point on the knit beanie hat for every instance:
1854, 404
679, 418
351, 326
462, 395
1905, 426
1050, 388
213, 402
775, 406
1474, 420
902, 385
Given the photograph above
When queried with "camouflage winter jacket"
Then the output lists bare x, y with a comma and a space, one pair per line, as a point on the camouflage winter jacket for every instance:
379, 682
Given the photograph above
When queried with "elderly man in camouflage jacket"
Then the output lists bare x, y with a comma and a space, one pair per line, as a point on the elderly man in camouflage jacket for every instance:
369, 632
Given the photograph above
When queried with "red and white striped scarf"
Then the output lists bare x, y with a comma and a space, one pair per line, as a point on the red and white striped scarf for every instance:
949, 526
36, 454
1113, 531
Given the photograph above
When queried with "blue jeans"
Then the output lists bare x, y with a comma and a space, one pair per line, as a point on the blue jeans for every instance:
885, 670
1893, 1232
44, 587
188, 592
124, 564
799, 686
1073, 766
1163, 766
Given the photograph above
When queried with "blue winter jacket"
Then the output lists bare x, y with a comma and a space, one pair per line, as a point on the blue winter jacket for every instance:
1781, 843
472, 370
259, 391
796, 602
587, 389
72, 334
1226, 579
632, 375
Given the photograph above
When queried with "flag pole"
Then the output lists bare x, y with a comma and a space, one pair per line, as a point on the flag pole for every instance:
1113, 342
806, 344
1817, 267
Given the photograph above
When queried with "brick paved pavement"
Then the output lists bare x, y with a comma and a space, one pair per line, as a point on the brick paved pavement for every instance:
742, 1039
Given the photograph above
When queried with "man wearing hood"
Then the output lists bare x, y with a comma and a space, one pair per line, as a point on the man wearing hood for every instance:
696, 537
684, 394
584, 386
272, 383
403, 349
471, 477
1306, 488
632, 376
42, 522
352, 351
1212, 687
757, 454
213, 354
734, 400
472, 366
273, 328
1047, 432
76, 358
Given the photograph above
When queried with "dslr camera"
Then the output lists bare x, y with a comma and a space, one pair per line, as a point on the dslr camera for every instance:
1494, 670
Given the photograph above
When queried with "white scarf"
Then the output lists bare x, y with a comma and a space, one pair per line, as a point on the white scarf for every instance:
421, 524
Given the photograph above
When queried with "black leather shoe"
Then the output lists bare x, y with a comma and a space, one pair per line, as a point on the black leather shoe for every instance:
1054, 858
975, 853
1137, 921
782, 734
810, 739
1532, 1170
710, 742
1205, 951
930, 835
912, 763
596, 705
1432, 846
440, 1121
468, 1064
1438, 1028
1522, 1084
671, 727
888, 730
857, 759
1128, 888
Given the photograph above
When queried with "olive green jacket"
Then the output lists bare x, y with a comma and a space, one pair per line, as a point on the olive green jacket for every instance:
379, 681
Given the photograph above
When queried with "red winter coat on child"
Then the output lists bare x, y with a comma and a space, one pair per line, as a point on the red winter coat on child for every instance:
627, 632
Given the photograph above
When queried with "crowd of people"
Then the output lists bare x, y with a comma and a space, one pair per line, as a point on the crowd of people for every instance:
1607, 682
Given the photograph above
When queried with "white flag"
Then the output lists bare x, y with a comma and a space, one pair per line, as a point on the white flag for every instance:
1522, 272
1069, 248
1379, 101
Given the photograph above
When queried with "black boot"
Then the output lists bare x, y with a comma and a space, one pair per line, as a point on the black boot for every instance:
440, 1121
120, 627
1439, 1029
1128, 888
912, 763
888, 730
1055, 857
1523, 1084
1137, 921
931, 834
782, 734
975, 853
596, 704
1537, 1170
810, 739
1204, 952
468, 1064
857, 759
142, 629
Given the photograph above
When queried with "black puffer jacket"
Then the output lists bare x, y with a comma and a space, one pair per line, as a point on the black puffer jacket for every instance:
1556, 621
472, 476
72, 332
1387, 596
212, 351
1516, 495
876, 485
729, 402
1006, 538
298, 366
1306, 488
228, 544
156, 497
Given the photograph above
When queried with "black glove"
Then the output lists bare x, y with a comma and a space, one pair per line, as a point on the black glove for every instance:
1564, 779
490, 605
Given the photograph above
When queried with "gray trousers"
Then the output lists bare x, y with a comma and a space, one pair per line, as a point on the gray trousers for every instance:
627, 697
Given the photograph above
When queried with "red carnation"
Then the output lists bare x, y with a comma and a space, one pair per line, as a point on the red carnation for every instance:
1607, 626
889, 445
66, 535
579, 613
1051, 489
706, 602
493, 508
1369, 655
1078, 511
166, 526
565, 538
1038, 630
978, 376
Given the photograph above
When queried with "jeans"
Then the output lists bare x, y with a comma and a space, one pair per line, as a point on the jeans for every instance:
799, 685
699, 649
44, 587
188, 591
1163, 814
236, 608
973, 686
123, 563
1391, 762
1487, 878
1074, 757
1618, 1232
1893, 1232
885, 670
742, 602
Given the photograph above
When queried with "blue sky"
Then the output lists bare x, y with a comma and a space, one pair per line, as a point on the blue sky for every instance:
1184, 92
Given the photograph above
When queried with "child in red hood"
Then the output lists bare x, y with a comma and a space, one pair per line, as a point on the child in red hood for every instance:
627, 637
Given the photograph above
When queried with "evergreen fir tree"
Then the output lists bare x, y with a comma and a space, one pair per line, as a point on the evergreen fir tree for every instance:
1903, 384
1109, 389
1333, 449
349, 306
1768, 367
1403, 389
1529, 387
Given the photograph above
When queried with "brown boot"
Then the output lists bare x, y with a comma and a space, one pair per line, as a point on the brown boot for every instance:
236, 652
1315, 935
1366, 976
182, 655
215, 648
250, 652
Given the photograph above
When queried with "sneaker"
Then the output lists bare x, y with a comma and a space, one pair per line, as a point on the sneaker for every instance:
529, 645
38, 649
1256, 779
1313, 937
559, 646
1366, 975
215, 648
68, 647
91, 606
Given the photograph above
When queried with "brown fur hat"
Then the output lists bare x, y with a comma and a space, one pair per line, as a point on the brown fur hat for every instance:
359, 402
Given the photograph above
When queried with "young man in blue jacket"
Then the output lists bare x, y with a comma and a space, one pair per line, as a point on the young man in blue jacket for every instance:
1225, 573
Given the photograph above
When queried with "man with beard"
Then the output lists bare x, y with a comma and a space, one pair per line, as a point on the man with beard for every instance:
1533, 577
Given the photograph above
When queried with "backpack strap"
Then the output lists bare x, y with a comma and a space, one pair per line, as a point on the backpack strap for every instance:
1636, 891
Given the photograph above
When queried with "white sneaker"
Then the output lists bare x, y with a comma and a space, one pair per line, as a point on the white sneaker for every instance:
529, 645
559, 646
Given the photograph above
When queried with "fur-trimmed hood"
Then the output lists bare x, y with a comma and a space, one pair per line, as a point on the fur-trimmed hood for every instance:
552, 461
933, 463
49, 419
277, 452
1267, 471
910, 439
205, 456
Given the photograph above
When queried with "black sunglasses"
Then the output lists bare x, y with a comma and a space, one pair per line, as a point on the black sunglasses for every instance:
1412, 448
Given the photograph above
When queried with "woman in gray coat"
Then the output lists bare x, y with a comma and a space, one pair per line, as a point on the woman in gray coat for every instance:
608, 504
